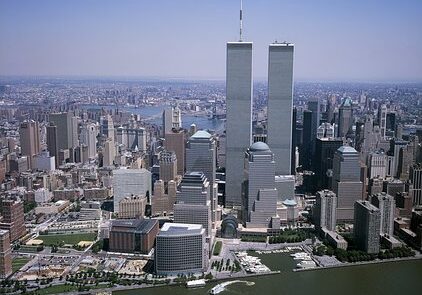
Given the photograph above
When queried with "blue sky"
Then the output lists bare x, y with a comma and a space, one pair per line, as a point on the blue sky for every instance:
335, 39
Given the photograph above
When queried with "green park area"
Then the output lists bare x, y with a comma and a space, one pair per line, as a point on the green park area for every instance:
17, 263
70, 239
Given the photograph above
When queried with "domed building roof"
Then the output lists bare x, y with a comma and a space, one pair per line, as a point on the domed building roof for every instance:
201, 134
259, 146
289, 202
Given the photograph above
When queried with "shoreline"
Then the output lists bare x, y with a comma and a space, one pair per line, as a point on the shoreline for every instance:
360, 263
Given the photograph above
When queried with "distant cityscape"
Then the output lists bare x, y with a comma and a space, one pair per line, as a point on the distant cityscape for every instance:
109, 185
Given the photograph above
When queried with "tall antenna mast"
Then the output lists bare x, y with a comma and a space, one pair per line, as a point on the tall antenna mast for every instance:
241, 2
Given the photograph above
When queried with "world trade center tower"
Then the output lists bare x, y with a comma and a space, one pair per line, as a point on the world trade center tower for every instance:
280, 104
239, 116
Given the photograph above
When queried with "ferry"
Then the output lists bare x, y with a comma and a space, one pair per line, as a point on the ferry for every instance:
195, 283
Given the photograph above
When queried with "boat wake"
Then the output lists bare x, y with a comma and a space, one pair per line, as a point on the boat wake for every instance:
221, 287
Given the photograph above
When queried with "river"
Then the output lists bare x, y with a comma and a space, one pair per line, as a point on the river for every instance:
154, 113
384, 278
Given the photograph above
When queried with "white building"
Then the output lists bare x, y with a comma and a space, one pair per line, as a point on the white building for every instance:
181, 248
128, 182
42, 195
45, 162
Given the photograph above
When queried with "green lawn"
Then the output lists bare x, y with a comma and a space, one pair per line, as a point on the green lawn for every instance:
17, 263
217, 248
70, 239
57, 289
60, 289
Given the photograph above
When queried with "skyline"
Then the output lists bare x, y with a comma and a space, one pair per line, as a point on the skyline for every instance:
131, 38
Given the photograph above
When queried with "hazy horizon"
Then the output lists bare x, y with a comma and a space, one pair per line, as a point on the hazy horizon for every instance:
335, 41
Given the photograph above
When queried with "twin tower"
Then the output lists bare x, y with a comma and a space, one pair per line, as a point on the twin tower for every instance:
239, 96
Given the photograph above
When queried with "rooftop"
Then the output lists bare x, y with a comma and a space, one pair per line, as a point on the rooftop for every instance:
201, 134
138, 225
345, 149
176, 229
259, 147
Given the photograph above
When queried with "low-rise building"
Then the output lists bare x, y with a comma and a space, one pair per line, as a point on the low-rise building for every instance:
133, 235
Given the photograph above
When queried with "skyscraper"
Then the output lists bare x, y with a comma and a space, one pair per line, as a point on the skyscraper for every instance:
325, 210
239, 114
29, 133
172, 118
325, 149
346, 181
416, 179
52, 144
259, 192
89, 138
168, 166
67, 129
387, 206
345, 117
128, 182
193, 201
5, 255
366, 229
382, 119
175, 142
280, 104
13, 218
201, 156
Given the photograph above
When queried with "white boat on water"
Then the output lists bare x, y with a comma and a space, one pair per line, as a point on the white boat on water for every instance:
195, 283
221, 287
306, 264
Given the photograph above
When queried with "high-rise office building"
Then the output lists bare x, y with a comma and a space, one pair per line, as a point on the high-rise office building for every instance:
52, 144
193, 201
168, 166
377, 164
13, 218
307, 140
175, 142
128, 182
5, 255
325, 210
162, 203
201, 156
280, 104
382, 119
67, 129
325, 149
345, 117
107, 126
366, 229
415, 175
259, 192
181, 248
346, 181
88, 137
387, 205
29, 133
172, 118
239, 116
109, 152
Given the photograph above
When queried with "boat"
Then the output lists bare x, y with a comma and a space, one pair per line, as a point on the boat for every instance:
306, 264
195, 283
217, 289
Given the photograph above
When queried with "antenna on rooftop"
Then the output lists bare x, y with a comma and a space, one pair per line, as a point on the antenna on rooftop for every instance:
241, 24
